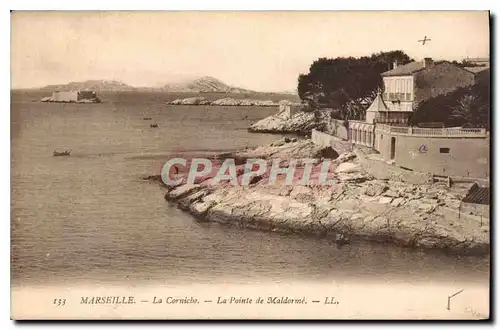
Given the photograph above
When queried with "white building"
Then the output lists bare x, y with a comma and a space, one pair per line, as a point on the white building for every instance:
408, 85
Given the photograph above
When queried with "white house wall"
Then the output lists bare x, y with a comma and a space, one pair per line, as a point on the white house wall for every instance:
398, 84
399, 93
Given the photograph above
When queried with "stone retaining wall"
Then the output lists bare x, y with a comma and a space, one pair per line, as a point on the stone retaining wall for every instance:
327, 140
384, 171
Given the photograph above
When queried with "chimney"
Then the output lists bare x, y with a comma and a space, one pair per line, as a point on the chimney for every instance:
394, 64
427, 62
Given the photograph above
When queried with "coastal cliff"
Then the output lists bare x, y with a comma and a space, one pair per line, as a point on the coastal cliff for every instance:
357, 206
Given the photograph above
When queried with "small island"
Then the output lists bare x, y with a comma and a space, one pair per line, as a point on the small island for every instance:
72, 97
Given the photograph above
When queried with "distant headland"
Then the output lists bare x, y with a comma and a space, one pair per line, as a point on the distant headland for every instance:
200, 85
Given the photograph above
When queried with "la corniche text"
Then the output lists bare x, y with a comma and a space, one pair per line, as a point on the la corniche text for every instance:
175, 300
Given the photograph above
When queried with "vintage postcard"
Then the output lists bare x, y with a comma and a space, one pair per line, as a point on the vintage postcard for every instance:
250, 165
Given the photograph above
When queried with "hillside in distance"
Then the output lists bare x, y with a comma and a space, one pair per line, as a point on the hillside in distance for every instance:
199, 85
203, 85
95, 85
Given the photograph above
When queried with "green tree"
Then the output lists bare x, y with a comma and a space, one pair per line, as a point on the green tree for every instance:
466, 106
346, 84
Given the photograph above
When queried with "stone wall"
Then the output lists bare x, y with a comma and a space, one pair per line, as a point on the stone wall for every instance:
380, 170
65, 96
337, 128
327, 140
446, 156
453, 152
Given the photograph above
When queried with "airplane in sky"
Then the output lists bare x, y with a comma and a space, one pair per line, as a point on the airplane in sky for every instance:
424, 40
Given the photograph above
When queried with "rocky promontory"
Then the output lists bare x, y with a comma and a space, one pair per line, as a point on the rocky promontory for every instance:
227, 101
301, 123
356, 206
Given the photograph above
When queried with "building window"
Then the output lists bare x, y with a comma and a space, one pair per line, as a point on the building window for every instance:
444, 150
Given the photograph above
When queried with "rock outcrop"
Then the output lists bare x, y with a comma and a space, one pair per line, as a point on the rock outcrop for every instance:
190, 101
301, 123
227, 101
285, 148
51, 99
357, 206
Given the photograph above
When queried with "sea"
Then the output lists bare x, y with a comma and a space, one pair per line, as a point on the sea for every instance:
91, 221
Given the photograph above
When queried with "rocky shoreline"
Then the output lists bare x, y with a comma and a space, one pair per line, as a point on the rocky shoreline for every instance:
357, 206
228, 101
51, 100
301, 123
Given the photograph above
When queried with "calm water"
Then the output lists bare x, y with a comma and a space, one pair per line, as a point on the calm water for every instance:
89, 218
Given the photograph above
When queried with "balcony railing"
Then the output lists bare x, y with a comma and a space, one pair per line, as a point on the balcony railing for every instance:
441, 132
397, 97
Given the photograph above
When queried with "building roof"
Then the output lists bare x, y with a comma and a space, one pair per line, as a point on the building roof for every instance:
476, 69
405, 69
478, 195
477, 59
416, 66
378, 105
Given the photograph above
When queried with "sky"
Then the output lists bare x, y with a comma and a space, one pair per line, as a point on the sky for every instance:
262, 51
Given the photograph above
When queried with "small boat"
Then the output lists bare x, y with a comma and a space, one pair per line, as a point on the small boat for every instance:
147, 118
63, 153
340, 239
153, 125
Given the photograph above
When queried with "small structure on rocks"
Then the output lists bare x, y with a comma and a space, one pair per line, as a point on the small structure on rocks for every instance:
72, 97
